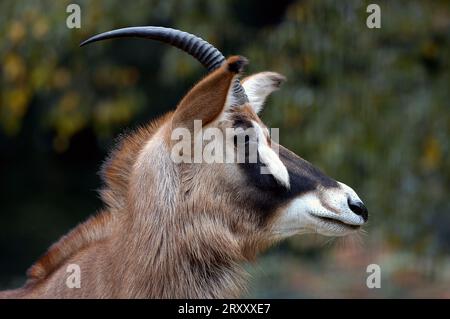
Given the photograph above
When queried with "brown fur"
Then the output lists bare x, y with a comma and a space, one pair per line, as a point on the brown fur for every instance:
168, 231
116, 171
206, 100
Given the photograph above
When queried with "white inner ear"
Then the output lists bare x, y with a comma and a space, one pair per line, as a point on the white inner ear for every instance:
259, 86
270, 158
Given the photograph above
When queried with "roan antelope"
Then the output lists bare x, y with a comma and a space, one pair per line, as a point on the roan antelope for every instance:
181, 230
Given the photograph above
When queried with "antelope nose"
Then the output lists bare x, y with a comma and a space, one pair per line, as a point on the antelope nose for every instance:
358, 208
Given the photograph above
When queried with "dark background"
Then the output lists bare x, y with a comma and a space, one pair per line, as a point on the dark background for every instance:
368, 106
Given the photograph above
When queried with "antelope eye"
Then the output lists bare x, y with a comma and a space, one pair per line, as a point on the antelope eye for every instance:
241, 139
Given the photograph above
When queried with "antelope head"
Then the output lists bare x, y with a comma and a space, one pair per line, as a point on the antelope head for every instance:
245, 204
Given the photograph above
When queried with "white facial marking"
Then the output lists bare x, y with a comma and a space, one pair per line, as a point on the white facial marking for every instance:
350, 192
295, 218
259, 86
324, 211
270, 158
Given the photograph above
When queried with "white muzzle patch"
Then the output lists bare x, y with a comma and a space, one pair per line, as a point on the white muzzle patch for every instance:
324, 211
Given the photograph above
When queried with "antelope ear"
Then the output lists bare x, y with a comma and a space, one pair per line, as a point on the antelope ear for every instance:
258, 87
210, 97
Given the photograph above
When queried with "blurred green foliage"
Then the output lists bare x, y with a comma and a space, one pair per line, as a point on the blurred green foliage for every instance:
369, 106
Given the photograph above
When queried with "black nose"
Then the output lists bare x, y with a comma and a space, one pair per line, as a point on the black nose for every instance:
359, 209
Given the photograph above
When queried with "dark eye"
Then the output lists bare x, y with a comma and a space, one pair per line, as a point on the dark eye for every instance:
246, 140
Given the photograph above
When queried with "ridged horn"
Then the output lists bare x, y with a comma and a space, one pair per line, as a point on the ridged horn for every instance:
210, 57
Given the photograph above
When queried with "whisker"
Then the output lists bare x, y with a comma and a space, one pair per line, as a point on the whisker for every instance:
329, 242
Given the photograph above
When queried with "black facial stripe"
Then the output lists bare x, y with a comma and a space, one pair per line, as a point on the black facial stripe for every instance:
302, 172
262, 192
265, 194
303, 175
241, 121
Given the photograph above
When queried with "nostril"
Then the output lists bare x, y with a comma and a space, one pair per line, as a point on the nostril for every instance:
359, 209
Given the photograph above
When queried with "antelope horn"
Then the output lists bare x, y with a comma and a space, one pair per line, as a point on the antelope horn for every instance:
210, 57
